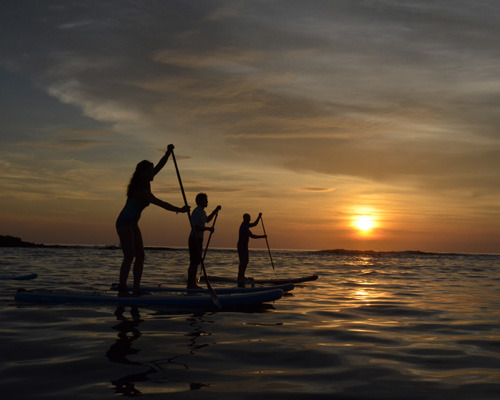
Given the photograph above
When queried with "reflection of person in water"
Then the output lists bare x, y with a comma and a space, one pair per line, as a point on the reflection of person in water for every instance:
128, 333
139, 196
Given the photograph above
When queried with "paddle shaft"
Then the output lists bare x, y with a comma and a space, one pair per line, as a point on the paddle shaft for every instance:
209, 286
208, 241
210, 236
267, 242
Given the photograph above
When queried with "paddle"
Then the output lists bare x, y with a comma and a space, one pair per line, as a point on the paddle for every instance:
208, 241
210, 236
213, 295
268, 248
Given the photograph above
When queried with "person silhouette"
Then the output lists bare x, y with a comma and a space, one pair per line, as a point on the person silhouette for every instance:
243, 238
139, 196
195, 241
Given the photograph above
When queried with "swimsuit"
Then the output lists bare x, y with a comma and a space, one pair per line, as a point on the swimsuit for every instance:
131, 213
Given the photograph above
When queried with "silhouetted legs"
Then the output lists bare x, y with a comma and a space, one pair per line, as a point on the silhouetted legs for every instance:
195, 249
133, 248
243, 256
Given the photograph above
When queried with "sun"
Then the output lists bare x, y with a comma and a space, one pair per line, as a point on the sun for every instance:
364, 223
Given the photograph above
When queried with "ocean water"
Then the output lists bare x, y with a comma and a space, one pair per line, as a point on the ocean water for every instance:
379, 326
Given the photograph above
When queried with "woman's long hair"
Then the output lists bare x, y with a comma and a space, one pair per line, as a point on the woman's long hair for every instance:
137, 179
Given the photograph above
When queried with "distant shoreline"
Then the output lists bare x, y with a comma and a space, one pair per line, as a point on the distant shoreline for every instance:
12, 241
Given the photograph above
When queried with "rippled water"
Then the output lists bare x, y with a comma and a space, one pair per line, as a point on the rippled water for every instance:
393, 326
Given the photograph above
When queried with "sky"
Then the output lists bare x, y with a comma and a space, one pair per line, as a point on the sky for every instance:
315, 113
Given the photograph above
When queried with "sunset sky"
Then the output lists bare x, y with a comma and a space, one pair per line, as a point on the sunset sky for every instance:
315, 113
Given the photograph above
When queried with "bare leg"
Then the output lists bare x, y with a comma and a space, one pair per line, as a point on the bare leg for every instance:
241, 270
195, 246
139, 259
243, 256
192, 272
126, 235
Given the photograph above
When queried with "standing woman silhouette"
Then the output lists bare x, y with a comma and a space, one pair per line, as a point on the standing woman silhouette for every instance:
139, 196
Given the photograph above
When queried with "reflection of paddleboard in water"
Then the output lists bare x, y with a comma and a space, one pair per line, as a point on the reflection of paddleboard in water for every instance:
173, 300
25, 277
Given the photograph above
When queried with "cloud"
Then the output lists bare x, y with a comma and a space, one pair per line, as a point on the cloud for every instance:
76, 144
318, 189
262, 99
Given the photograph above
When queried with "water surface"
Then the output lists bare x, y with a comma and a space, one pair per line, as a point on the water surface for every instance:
379, 326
